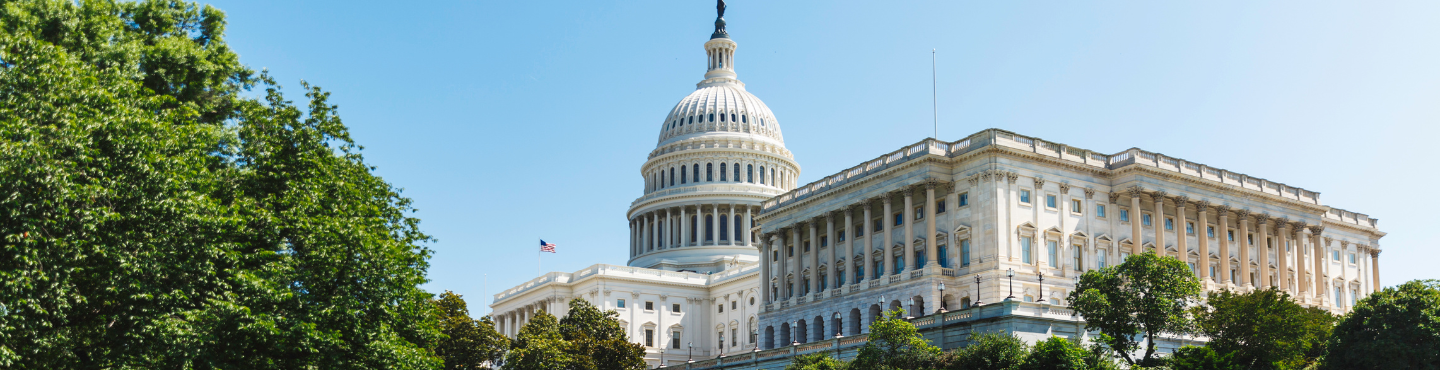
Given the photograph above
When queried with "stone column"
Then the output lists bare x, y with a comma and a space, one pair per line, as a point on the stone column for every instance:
665, 234
1182, 247
780, 237
931, 251
1301, 283
645, 234
834, 246
795, 258
1263, 249
869, 246
1224, 238
1244, 240
765, 247
632, 238
1203, 235
1159, 222
887, 225
905, 214
814, 258
684, 228
1137, 235
1318, 245
748, 225
1281, 253
850, 243
1375, 268
715, 223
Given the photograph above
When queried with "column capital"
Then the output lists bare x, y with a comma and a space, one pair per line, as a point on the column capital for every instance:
1114, 197
1064, 188
1222, 210
1182, 201
1282, 223
1262, 219
1012, 177
1135, 191
1039, 182
1159, 196
1298, 226
1316, 230
930, 184
1374, 253
1089, 193
1243, 214
1202, 206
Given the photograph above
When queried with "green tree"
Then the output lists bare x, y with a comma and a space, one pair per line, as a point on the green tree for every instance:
468, 343
997, 351
539, 346
1056, 353
155, 218
597, 340
1395, 328
1264, 329
1202, 358
1145, 295
895, 344
815, 361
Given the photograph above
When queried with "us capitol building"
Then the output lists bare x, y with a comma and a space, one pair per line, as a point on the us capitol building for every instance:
733, 263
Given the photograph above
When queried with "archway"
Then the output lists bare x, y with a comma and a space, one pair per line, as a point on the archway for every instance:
919, 307
785, 334
854, 321
800, 332
769, 340
874, 314
818, 332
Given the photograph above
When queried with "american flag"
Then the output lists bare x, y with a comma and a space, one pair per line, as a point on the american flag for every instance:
546, 247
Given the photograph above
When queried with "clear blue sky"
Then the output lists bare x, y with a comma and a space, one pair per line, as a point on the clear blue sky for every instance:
510, 121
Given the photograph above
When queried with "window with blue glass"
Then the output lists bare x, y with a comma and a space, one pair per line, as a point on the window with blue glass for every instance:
965, 252
944, 254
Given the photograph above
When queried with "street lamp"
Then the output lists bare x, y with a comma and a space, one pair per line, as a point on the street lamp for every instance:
942, 298
691, 354
795, 333
911, 303
837, 325
1010, 273
977, 291
1042, 285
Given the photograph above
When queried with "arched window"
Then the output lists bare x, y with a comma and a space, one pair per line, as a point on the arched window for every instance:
762, 175
750, 173
712, 117
696, 174
709, 233
743, 119
709, 172
722, 172
682, 174
672, 176
693, 220
773, 178
724, 228
738, 227
722, 117
732, 117
737, 172
692, 120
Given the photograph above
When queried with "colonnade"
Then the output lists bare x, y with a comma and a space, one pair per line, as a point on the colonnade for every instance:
692, 225
510, 322
1271, 240
802, 240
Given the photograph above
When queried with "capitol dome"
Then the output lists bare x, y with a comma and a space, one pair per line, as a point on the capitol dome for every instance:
719, 155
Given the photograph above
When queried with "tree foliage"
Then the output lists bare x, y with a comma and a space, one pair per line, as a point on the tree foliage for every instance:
1264, 329
468, 343
1145, 295
539, 346
1395, 328
597, 340
1202, 358
989, 351
1056, 353
155, 218
816, 361
895, 344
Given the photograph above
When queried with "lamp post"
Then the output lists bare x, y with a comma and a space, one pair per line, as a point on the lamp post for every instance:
1041, 275
838, 325
942, 298
911, 304
795, 333
691, 349
977, 291
1010, 273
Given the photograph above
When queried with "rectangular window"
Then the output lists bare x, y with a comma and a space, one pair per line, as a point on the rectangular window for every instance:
964, 199
720, 307
860, 229
789, 251
878, 225
1101, 259
1352, 258
1212, 272
1077, 261
1210, 232
675, 307
1100, 210
807, 246
965, 252
733, 304
824, 241
1054, 249
1124, 215
919, 213
1335, 255
1145, 219
1338, 296
1025, 250
649, 306
1024, 196
841, 234
1050, 200
675, 340
1230, 234
1190, 228
619, 303
1169, 223
940, 206
1075, 206
899, 219
649, 337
